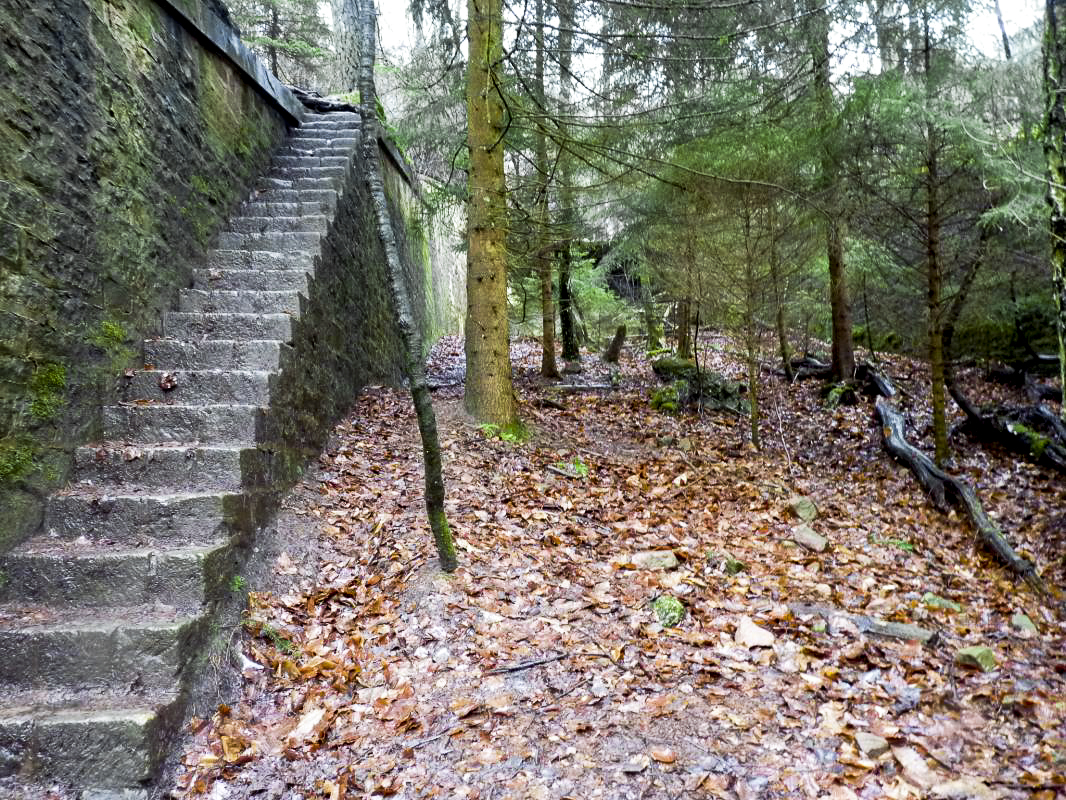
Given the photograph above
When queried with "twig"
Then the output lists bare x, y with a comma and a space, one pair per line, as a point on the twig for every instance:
524, 665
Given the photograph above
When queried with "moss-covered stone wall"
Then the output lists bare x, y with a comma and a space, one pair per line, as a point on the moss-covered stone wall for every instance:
125, 142
427, 235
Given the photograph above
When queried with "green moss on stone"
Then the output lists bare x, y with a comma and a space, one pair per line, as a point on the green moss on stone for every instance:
47, 387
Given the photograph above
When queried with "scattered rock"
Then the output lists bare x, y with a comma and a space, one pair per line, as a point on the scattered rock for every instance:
669, 610
654, 559
802, 507
915, 770
935, 601
1021, 622
749, 634
870, 745
964, 788
977, 656
805, 535
664, 755
732, 566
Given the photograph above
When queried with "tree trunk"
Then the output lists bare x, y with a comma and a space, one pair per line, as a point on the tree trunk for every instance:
779, 300
614, 350
567, 324
548, 366
567, 214
684, 329
934, 271
347, 15
843, 355
275, 34
1055, 153
412, 339
489, 395
1003, 32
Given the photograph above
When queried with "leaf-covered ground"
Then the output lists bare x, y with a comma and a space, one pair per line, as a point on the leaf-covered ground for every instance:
540, 669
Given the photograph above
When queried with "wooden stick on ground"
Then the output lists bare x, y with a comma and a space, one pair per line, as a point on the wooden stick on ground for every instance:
946, 490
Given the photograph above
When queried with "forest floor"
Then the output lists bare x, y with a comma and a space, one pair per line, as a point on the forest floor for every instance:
540, 669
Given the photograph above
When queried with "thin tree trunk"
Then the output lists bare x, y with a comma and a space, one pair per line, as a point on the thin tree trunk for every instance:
548, 366
1003, 32
934, 271
779, 303
843, 348
275, 34
489, 395
567, 323
1055, 153
684, 329
412, 339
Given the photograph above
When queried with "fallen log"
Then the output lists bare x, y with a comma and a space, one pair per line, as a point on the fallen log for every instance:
946, 490
1032, 432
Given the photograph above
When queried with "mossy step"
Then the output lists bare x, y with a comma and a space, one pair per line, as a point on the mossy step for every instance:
293, 280
80, 574
265, 260
306, 223
240, 301
106, 740
261, 354
195, 325
116, 465
132, 518
189, 387
222, 423
273, 241
60, 647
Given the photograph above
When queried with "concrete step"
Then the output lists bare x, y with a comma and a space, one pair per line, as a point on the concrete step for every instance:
104, 740
80, 574
316, 173
273, 183
251, 280
327, 198
247, 354
314, 126
114, 466
136, 519
193, 326
263, 208
59, 647
320, 148
191, 387
301, 160
265, 260
309, 223
240, 301
154, 424
274, 241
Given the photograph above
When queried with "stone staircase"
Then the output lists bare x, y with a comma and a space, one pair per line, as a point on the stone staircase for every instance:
107, 612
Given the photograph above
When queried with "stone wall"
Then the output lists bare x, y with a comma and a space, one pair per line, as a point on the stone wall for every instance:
427, 236
126, 141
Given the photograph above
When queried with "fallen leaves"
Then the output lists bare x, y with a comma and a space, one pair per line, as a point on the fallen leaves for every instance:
541, 668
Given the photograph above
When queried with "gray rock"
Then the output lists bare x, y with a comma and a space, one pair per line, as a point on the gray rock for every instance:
1022, 622
935, 601
871, 745
977, 656
669, 610
655, 559
804, 535
802, 507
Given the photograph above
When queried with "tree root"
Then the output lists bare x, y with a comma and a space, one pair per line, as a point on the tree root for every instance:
946, 490
1032, 431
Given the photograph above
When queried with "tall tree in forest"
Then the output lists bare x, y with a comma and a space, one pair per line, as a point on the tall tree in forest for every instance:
843, 348
1055, 153
489, 393
412, 339
347, 33
548, 366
